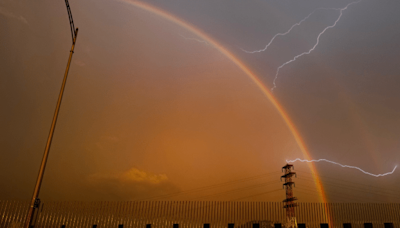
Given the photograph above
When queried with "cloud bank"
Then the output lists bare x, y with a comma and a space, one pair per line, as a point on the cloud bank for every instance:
132, 184
11, 15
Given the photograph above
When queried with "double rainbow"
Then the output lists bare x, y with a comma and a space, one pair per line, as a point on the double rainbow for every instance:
247, 71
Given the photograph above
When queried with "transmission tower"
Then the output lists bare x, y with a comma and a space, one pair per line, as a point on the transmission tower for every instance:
289, 201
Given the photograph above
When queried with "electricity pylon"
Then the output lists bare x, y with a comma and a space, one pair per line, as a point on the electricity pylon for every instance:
35, 200
289, 201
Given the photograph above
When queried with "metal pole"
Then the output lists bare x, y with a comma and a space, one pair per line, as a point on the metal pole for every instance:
35, 200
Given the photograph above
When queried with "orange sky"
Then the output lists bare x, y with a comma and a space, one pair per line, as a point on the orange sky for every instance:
181, 118
146, 113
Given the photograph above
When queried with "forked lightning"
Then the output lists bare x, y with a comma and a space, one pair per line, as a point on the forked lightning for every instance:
297, 24
344, 166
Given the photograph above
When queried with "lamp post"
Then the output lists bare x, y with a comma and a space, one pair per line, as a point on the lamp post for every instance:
35, 200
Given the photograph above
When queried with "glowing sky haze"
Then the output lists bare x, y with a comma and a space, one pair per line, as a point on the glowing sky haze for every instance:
155, 110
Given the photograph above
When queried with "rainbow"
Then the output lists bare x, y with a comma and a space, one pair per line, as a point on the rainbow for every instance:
247, 71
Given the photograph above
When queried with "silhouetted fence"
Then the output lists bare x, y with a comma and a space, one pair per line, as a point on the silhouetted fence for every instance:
195, 214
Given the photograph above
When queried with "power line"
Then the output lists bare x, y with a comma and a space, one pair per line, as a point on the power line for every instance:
340, 196
208, 187
240, 189
351, 184
218, 203
258, 194
349, 187
345, 196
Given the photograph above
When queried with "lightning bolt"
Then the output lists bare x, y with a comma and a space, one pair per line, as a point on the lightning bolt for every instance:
344, 166
198, 40
288, 31
316, 44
